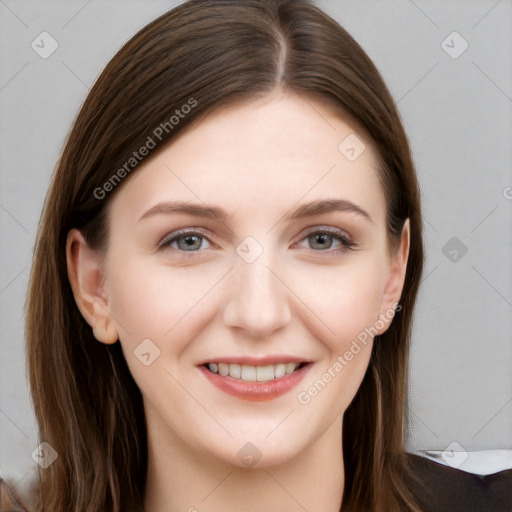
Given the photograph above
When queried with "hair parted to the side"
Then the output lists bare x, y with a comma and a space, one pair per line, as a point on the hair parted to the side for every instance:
214, 52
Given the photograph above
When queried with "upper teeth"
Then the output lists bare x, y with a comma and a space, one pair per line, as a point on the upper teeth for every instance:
253, 373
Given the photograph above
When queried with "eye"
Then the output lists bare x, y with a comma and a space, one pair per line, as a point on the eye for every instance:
330, 240
185, 240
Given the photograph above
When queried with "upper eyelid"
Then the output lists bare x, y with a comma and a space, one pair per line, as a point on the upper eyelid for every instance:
327, 229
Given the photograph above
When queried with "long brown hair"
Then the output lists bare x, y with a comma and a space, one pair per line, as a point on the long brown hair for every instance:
204, 54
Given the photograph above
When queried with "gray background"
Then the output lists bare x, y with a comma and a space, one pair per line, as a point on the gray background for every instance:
458, 115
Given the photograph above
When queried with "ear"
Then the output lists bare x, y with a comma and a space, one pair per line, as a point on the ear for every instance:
395, 282
86, 276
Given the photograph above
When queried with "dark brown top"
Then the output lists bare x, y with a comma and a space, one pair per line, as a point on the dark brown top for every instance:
451, 490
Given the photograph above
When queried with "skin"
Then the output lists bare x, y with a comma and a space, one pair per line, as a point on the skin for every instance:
257, 161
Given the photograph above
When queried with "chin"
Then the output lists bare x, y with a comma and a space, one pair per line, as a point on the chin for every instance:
259, 448
251, 456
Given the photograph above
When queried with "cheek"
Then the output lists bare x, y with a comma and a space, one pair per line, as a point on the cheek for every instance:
166, 306
344, 300
158, 302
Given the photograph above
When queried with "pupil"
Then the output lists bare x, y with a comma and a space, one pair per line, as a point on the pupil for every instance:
322, 240
189, 242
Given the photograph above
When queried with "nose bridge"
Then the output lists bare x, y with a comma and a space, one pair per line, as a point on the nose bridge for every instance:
258, 302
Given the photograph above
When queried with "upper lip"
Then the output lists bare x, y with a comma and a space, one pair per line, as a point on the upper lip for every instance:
256, 361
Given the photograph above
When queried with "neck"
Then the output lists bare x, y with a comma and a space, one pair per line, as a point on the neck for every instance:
181, 480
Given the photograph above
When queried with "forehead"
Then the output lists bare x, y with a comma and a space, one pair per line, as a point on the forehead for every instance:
263, 155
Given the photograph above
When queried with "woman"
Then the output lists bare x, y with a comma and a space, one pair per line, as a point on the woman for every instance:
225, 275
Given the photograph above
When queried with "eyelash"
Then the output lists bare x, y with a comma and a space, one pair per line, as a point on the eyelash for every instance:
346, 242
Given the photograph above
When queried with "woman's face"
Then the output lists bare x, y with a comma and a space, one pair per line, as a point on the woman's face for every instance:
227, 255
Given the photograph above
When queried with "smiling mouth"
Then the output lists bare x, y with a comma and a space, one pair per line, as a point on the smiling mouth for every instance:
248, 373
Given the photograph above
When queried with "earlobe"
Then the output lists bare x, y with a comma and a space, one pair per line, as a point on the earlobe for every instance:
86, 277
105, 329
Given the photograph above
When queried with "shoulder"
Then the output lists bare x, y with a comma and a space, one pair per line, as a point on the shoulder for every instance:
442, 488
9, 499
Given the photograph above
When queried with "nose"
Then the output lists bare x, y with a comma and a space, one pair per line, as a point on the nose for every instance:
258, 300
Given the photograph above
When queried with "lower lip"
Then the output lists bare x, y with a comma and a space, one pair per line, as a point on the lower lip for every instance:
257, 391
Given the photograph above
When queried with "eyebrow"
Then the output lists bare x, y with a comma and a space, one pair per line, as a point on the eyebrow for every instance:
214, 212
199, 210
328, 206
